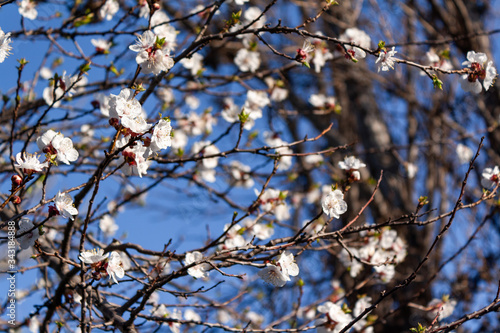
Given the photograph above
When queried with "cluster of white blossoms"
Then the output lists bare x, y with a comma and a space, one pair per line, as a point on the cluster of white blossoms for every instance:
103, 265
5, 47
383, 250
279, 274
273, 201
152, 56
251, 228
126, 114
162, 312
199, 271
285, 153
478, 70
56, 146
194, 124
491, 177
251, 110
240, 174
207, 165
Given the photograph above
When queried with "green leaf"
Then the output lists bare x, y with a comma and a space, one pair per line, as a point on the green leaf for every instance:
85, 68
438, 84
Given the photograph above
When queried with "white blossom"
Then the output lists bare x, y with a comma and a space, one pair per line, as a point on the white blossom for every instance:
335, 319
5, 47
435, 60
115, 267
136, 162
161, 138
384, 273
55, 143
197, 271
273, 275
334, 204
101, 45
241, 174
179, 139
287, 264
261, 231
128, 110
93, 256
272, 201
247, 61
278, 92
66, 86
109, 9
478, 71
444, 307
323, 102
166, 95
46, 73
359, 307
101, 101
352, 265
351, 163
464, 153
357, 37
190, 314
386, 60
205, 148
491, 176
29, 163
64, 205
285, 157
411, 170
164, 30
233, 237
150, 56
107, 225
27, 8
255, 318
194, 63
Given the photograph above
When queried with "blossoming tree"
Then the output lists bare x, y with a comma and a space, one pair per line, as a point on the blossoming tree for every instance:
250, 165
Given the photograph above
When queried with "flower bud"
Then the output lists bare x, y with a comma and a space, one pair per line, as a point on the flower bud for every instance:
16, 200
16, 181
